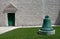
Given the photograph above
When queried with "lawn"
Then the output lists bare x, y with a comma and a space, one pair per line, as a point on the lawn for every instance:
29, 33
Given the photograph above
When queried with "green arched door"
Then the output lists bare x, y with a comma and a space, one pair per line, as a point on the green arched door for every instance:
11, 19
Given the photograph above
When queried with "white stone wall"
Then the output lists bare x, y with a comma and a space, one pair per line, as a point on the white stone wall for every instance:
53, 9
30, 12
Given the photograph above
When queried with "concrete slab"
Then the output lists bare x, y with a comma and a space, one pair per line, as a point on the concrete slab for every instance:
6, 29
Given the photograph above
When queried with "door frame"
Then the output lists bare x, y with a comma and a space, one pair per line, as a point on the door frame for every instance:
7, 10
6, 19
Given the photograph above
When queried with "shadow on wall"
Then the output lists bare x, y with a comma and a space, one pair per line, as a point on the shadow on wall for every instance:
58, 19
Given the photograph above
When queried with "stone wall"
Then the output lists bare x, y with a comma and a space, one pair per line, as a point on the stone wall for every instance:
30, 12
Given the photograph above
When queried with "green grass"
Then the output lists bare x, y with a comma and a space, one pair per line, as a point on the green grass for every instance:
29, 33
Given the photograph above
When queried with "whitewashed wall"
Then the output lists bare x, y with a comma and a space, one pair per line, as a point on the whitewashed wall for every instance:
30, 12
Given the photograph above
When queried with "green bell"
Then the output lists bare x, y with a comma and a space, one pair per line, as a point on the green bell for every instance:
46, 27
47, 24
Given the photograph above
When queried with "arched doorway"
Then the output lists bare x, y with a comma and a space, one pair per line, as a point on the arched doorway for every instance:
10, 14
